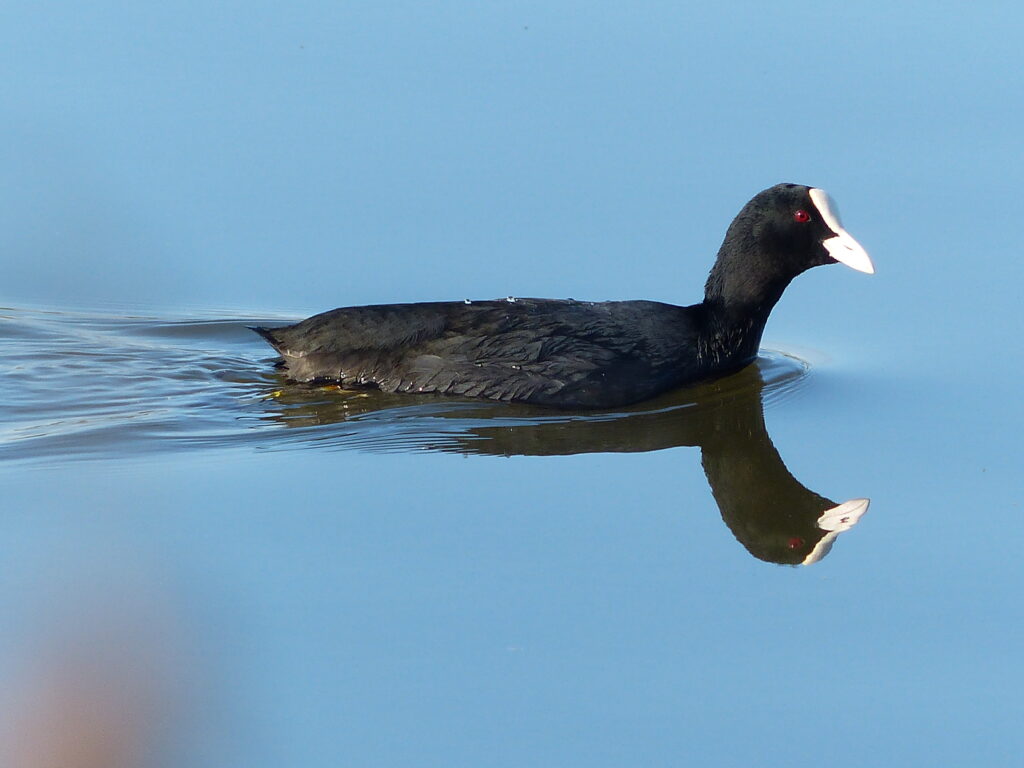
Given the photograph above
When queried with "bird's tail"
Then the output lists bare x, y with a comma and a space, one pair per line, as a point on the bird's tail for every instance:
268, 334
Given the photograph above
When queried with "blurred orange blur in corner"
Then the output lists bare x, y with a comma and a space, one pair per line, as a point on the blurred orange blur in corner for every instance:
97, 684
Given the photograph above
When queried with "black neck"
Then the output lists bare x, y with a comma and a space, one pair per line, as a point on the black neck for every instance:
730, 335
739, 295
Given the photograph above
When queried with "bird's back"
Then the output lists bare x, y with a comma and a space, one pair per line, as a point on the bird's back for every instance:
551, 352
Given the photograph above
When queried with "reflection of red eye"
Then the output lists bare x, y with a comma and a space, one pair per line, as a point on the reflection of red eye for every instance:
796, 542
802, 216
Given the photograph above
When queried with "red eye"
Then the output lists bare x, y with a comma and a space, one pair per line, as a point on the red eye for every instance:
802, 216
796, 542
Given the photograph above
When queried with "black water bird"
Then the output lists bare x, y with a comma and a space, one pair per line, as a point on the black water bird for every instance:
578, 354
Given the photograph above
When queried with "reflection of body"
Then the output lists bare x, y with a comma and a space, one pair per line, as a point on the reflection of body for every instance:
775, 517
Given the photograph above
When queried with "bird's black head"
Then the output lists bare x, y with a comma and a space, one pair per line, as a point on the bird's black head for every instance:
780, 233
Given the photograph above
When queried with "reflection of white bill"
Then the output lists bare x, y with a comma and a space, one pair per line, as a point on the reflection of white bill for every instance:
835, 521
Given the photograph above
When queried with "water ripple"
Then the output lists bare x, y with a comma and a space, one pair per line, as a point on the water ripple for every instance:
80, 386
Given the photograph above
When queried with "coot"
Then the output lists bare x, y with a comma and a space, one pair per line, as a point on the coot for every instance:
580, 354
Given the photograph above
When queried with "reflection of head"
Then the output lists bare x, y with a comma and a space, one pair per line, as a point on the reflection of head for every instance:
768, 510
775, 517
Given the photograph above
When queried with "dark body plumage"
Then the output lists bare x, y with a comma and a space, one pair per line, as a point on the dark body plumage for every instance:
567, 353
548, 352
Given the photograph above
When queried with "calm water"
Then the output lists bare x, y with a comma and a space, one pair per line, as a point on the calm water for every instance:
329, 583
201, 565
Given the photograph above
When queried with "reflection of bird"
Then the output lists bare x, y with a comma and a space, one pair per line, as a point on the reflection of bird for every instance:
775, 517
574, 354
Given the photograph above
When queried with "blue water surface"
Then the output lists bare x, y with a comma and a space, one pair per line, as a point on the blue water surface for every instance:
202, 565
